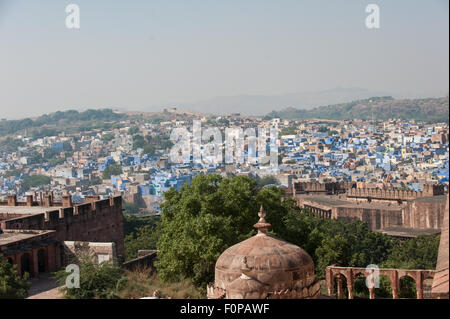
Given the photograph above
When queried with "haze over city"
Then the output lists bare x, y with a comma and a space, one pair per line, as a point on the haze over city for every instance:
152, 54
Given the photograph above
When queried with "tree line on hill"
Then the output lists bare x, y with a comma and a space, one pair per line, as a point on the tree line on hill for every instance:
12, 126
430, 110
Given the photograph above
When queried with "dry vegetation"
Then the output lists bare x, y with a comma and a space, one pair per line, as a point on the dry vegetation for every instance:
142, 282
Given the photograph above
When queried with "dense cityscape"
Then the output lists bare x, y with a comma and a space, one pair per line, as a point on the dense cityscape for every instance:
132, 159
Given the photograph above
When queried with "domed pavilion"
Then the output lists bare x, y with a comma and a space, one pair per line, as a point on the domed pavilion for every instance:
264, 267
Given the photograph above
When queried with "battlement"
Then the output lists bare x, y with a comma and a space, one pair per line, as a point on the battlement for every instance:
69, 214
40, 200
327, 188
395, 194
96, 220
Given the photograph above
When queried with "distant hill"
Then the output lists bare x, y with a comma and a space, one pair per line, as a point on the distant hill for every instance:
61, 120
263, 104
430, 110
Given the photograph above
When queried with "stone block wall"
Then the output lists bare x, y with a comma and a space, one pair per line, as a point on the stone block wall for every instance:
95, 221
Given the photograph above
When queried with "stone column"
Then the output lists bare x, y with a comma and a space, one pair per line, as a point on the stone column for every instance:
34, 263
419, 285
372, 293
19, 264
350, 291
67, 201
330, 281
51, 258
48, 200
339, 288
12, 200
394, 284
350, 283
29, 200
57, 257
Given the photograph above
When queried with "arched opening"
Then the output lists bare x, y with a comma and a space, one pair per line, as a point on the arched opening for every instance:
340, 281
407, 288
360, 287
385, 288
41, 261
25, 263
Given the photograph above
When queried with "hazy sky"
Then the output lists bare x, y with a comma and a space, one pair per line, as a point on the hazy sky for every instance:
145, 54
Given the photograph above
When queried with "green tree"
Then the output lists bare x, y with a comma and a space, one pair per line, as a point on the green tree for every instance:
35, 158
13, 172
416, 253
149, 149
56, 161
112, 170
323, 129
267, 180
138, 142
130, 208
97, 281
332, 132
108, 137
35, 181
132, 223
200, 221
364, 247
10, 144
12, 286
332, 251
95, 181
145, 238
133, 130
289, 131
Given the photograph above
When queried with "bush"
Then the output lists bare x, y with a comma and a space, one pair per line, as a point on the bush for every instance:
142, 283
12, 286
108, 137
145, 238
97, 281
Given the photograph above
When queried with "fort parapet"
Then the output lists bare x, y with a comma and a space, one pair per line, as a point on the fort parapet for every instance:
394, 194
94, 221
321, 188
396, 212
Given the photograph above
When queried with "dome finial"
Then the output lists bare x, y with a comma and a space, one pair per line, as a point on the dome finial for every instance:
262, 213
262, 226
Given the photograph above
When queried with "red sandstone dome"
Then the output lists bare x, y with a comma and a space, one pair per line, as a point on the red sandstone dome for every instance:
264, 266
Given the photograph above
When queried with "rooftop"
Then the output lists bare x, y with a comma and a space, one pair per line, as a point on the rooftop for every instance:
25, 210
332, 201
14, 236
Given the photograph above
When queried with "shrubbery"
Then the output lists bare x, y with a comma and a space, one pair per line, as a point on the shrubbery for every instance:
97, 281
12, 286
